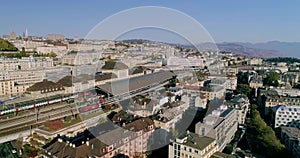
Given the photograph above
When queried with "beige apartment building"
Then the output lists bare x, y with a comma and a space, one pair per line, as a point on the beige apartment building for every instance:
16, 82
220, 125
211, 92
25, 63
7, 64
191, 145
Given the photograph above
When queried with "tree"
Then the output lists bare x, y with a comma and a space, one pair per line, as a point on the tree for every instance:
23, 50
200, 75
242, 78
243, 89
272, 79
262, 138
288, 60
52, 54
173, 81
30, 151
7, 46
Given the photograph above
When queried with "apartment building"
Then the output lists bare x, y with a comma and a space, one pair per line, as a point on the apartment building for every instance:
286, 116
273, 101
186, 62
287, 92
227, 83
241, 104
29, 45
268, 102
36, 63
9, 64
25, 63
255, 61
55, 37
81, 58
132, 140
58, 49
168, 116
255, 81
118, 68
290, 137
16, 82
77, 84
191, 145
221, 125
211, 92
44, 89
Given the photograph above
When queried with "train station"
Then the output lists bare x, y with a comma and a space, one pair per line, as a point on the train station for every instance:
127, 87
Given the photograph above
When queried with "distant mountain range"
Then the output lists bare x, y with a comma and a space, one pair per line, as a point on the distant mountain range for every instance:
248, 51
289, 49
263, 50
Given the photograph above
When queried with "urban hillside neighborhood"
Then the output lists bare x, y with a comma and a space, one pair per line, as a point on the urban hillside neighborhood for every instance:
62, 97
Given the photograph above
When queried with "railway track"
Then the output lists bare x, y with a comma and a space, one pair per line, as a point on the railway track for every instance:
21, 124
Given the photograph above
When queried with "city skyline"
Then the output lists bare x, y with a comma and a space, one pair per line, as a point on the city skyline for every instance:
230, 21
155, 79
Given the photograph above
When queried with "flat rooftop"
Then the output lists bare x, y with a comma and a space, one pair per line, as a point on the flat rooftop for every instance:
195, 140
292, 132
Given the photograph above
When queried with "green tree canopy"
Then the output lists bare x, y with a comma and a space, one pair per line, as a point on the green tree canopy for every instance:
7, 46
272, 79
264, 139
242, 77
52, 54
288, 60
243, 89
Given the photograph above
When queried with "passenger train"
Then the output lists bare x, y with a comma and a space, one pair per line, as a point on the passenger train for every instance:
25, 105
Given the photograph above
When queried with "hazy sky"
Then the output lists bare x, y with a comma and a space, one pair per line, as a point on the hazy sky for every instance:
225, 20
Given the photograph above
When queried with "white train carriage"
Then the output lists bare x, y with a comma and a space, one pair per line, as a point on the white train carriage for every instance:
34, 105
